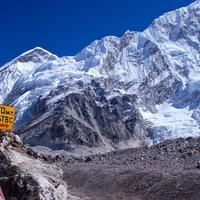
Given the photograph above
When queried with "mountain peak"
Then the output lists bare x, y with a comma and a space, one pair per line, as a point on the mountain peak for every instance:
36, 55
35, 49
29, 60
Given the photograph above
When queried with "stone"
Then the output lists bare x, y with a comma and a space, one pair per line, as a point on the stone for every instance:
198, 164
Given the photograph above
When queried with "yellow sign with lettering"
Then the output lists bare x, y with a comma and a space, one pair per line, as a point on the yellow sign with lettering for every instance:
7, 118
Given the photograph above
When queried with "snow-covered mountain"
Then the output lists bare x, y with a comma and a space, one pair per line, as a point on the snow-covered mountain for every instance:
117, 92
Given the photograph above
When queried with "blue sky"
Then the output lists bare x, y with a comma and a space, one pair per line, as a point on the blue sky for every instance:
64, 27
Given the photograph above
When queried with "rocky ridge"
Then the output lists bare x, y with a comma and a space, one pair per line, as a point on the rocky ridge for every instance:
25, 175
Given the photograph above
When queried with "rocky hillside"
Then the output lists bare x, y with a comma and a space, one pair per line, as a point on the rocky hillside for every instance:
116, 93
25, 175
86, 120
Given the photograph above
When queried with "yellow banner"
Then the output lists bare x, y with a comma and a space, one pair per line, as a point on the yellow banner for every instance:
7, 118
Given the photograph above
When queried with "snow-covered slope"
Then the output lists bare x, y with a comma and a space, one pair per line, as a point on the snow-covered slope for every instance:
160, 66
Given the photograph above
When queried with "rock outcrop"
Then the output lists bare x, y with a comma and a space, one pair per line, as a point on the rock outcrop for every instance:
86, 119
24, 175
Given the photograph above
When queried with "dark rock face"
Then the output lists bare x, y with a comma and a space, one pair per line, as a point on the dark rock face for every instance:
154, 90
20, 187
85, 118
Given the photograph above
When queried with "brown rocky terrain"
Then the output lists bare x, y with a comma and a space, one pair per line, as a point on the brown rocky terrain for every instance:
167, 171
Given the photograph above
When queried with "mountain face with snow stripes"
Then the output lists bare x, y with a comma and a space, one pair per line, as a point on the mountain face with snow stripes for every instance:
116, 93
